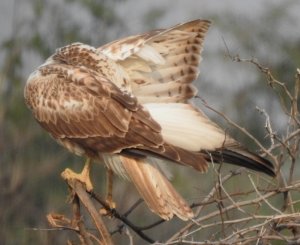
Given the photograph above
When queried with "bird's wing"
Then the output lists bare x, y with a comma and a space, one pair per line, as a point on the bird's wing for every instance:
75, 102
163, 63
191, 135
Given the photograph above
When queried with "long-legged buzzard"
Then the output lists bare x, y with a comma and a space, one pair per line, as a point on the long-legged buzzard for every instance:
126, 104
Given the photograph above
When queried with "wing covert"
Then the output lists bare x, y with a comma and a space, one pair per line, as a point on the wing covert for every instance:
75, 102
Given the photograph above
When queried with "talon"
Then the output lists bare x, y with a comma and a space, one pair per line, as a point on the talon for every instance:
83, 177
105, 212
111, 204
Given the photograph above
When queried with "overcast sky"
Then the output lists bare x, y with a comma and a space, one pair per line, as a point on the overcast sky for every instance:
219, 76
134, 13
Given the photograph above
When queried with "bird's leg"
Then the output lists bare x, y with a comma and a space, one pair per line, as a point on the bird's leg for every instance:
83, 177
109, 200
109, 182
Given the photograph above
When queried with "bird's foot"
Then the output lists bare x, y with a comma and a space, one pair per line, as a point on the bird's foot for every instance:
83, 177
107, 211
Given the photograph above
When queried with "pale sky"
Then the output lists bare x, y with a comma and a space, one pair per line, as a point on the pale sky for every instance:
219, 76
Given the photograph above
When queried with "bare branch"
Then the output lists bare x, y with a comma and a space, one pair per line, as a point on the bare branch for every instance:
78, 188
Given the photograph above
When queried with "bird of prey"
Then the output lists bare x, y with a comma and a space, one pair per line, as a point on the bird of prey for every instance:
127, 104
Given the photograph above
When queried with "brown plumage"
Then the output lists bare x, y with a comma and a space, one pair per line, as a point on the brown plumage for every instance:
127, 103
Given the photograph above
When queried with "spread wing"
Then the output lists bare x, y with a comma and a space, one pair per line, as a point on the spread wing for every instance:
163, 63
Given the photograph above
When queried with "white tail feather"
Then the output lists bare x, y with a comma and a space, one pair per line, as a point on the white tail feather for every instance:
114, 163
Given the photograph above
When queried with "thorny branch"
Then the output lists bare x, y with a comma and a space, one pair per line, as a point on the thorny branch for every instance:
224, 216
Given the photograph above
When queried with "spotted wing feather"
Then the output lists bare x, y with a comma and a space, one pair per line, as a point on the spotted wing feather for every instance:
161, 64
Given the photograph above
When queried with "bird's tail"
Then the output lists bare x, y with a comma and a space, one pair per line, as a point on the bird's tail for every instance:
155, 189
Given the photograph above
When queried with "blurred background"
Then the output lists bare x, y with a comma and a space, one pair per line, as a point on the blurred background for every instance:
31, 30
